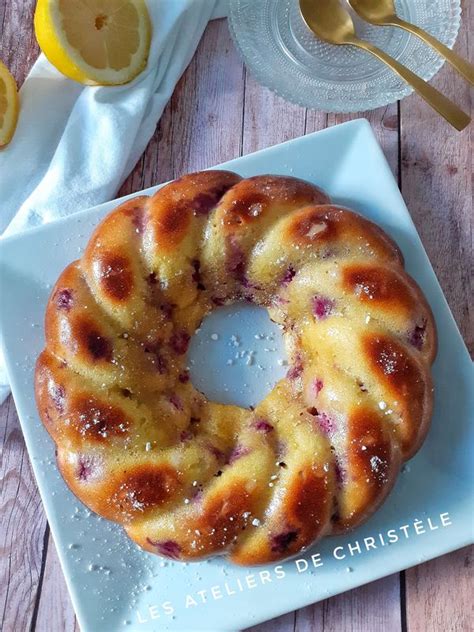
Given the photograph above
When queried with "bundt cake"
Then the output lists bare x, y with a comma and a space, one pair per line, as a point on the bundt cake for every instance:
190, 478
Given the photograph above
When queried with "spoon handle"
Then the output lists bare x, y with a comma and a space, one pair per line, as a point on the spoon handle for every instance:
449, 110
462, 65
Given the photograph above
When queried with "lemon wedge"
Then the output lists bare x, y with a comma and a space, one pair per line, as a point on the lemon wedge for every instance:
8, 106
95, 42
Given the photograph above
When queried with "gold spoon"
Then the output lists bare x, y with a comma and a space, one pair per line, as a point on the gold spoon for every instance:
382, 13
332, 23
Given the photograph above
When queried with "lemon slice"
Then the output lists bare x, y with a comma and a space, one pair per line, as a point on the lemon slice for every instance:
96, 42
8, 106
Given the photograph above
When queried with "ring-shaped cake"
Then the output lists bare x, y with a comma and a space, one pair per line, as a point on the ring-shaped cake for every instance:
190, 478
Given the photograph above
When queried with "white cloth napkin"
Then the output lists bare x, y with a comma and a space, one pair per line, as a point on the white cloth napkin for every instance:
75, 145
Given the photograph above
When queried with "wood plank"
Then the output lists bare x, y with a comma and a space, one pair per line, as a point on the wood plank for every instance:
269, 119
18, 46
207, 105
23, 527
439, 594
375, 606
436, 177
55, 611
437, 184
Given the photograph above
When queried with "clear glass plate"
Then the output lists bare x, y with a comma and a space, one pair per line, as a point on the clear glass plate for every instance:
284, 55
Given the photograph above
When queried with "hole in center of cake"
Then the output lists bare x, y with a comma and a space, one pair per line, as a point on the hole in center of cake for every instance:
237, 355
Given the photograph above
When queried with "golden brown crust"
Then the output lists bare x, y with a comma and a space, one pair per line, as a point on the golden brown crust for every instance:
370, 469
335, 226
194, 196
255, 198
393, 291
189, 478
304, 516
406, 380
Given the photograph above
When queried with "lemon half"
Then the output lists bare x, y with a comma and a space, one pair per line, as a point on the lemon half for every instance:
95, 42
8, 106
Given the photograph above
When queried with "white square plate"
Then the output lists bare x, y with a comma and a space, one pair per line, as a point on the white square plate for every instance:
115, 586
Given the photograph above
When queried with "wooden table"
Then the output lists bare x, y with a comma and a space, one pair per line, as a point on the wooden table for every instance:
219, 112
